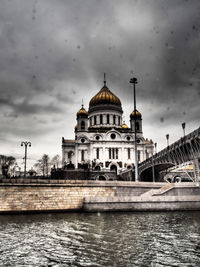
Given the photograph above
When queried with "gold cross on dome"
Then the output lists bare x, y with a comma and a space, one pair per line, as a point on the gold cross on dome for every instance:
104, 78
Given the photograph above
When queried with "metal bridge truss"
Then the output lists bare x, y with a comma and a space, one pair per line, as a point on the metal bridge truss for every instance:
185, 149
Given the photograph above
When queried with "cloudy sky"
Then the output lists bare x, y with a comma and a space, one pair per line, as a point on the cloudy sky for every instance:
53, 53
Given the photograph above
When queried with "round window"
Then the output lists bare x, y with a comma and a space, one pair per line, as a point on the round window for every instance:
113, 136
138, 141
82, 140
97, 137
128, 138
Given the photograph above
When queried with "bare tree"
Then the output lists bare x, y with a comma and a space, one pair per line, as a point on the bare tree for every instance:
6, 162
43, 165
56, 161
9, 160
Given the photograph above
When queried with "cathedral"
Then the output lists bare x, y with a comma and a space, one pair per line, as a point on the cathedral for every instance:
102, 140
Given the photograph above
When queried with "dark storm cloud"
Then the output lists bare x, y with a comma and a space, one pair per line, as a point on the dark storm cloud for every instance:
26, 108
54, 53
4, 101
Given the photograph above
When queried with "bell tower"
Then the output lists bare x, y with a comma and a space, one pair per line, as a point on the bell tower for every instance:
138, 120
82, 120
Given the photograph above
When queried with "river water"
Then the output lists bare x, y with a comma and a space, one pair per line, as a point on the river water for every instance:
101, 239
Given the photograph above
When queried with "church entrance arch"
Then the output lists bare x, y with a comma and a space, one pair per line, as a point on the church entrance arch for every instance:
97, 168
113, 167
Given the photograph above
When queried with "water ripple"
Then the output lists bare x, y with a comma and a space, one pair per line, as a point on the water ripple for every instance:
102, 239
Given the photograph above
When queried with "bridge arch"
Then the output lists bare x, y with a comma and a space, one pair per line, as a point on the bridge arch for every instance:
183, 150
147, 174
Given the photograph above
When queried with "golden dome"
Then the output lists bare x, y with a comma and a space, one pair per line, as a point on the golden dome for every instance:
124, 126
75, 127
82, 111
105, 96
138, 114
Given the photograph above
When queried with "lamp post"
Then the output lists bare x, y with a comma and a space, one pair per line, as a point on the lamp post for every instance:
153, 171
167, 137
134, 82
183, 126
25, 144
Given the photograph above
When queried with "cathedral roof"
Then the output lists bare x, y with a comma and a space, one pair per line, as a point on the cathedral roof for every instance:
138, 114
104, 96
124, 126
82, 111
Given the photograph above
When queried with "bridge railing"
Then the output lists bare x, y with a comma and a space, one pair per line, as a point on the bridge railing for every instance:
185, 149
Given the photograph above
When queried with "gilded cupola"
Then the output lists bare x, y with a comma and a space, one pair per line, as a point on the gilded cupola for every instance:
138, 114
104, 96
82, 112
124, 126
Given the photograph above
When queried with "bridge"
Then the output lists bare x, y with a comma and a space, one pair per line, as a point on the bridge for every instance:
185, 149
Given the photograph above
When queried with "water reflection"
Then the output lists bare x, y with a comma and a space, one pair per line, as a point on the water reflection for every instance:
101, 239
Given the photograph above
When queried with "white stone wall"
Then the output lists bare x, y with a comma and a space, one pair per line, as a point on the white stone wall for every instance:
105, 142
90, 144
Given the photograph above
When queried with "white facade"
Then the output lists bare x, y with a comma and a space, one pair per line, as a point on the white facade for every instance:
102, 141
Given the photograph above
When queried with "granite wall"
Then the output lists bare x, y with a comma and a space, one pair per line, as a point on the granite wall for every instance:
61, 195
178, 196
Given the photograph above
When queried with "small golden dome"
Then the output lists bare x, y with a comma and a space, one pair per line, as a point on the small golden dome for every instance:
75, 127
138, 114
104, 96
82, 111
124, 126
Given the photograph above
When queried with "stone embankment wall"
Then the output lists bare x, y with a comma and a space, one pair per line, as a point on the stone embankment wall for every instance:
168, 197
61, 195
31, 195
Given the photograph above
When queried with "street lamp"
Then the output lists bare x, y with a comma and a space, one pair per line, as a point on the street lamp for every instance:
167, 137
25, 143
183, 126
153, 171
134, 82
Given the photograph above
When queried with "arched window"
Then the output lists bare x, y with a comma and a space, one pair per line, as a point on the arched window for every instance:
119, 120
138, 155
116, 153
97, 151
82, 125
82, 155
95, 120
108, 119
114, 119
137, 126
101, 119
110, 156
90, 121
113, 153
